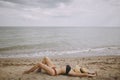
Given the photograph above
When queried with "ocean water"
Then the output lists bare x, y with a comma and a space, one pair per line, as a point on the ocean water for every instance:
59, 41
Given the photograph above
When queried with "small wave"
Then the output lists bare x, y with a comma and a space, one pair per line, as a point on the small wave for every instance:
84, 52
20, 47
42, 46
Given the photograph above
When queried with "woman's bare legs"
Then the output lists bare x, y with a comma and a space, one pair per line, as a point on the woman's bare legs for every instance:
48, 62
32, 69
48, 69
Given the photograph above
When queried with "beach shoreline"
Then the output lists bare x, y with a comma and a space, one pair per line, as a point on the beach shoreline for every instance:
108, 68
86, 52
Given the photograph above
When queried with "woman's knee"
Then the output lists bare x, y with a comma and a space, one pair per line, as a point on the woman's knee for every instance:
46, 68
39, 64
46, 58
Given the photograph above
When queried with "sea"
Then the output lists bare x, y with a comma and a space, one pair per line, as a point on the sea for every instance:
16, 42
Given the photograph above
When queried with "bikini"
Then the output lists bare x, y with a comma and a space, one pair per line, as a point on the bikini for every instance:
54, 70
68, 68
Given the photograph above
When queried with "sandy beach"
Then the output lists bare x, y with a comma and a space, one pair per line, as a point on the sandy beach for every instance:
107, 67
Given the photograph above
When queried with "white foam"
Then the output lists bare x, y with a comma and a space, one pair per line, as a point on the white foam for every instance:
83, 52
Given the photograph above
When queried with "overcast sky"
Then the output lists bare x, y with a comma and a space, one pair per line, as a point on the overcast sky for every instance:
59, 12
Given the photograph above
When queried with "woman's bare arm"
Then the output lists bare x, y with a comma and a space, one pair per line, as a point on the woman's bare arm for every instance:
75, 74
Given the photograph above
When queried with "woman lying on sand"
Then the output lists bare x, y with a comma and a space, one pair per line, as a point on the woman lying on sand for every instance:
52, 70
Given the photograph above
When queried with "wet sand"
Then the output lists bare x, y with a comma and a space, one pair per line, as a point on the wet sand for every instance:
107, 67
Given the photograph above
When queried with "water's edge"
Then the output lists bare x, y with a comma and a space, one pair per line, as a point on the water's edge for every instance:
105, 51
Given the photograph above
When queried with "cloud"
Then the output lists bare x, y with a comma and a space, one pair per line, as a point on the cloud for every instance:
35, 9
60, 12
36, 3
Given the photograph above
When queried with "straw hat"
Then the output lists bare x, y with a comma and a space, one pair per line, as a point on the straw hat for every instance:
78, 69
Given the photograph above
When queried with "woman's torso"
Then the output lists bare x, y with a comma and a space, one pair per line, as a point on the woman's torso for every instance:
61, 70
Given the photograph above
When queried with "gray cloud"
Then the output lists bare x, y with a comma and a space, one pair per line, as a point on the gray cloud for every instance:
35, 3
60, 12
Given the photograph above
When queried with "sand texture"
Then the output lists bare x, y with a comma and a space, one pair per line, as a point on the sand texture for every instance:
107, 67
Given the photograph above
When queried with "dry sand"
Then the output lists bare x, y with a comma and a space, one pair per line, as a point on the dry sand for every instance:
107, 67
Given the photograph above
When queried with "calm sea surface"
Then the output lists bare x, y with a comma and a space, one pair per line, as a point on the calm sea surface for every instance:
34, 41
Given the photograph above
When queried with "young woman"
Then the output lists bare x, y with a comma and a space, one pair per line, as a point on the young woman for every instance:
52, 70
